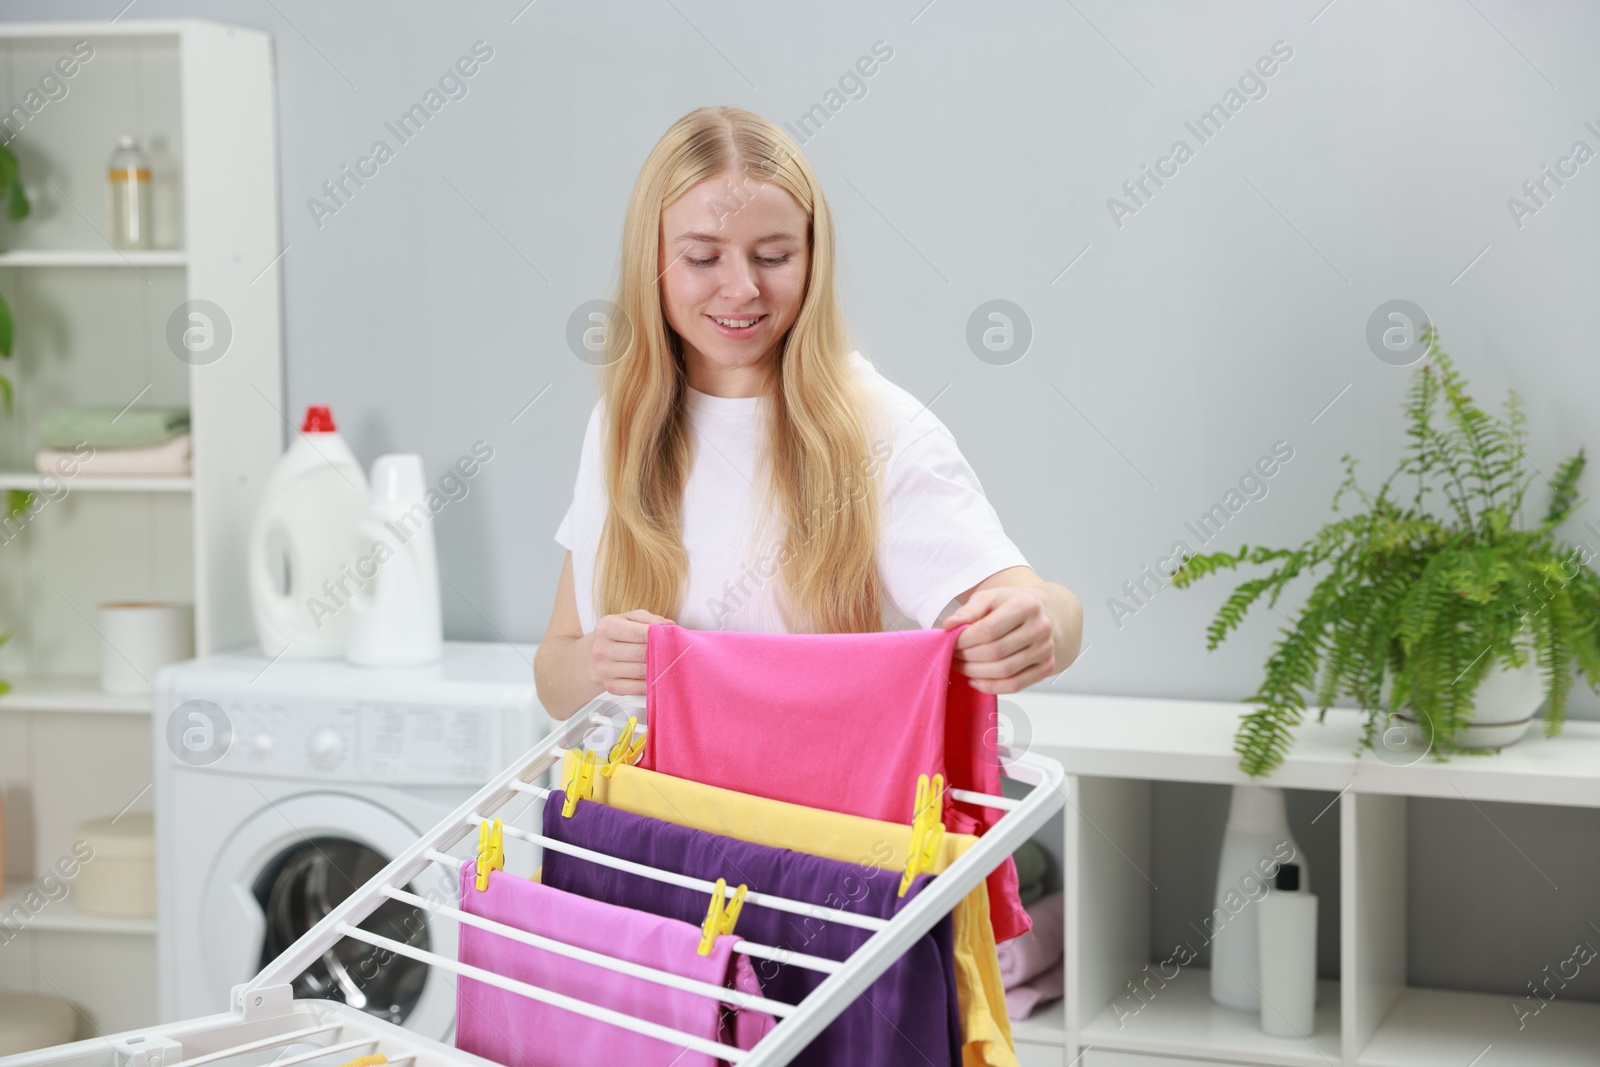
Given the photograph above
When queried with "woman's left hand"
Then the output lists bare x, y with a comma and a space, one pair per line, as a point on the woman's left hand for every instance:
1010, 641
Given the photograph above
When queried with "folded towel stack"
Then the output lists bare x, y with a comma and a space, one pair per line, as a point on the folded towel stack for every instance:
115, 441
1031, 965
1031, 860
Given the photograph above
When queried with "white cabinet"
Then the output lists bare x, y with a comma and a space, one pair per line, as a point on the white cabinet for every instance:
92, 327
1106, 1058
1124, 1008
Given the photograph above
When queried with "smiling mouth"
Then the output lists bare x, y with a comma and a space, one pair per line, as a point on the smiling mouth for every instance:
736, 327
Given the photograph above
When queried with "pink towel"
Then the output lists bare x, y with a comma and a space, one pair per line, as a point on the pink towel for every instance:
1030, 955
844, 722
168, 458
521, 1032
1021, 1001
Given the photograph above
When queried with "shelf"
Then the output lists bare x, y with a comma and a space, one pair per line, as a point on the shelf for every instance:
96, 29
103, 483
75, 694
1180, 1019
1445, 1027
1046, 1026
61, 915
93, 257
1192, 741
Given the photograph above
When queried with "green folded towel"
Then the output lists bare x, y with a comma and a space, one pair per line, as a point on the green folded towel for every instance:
1031, 860
109, 427
1031, 892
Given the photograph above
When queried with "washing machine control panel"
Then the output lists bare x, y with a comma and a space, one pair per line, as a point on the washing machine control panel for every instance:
390, 743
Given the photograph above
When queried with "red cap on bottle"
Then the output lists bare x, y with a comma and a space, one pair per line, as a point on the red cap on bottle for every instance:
319, 419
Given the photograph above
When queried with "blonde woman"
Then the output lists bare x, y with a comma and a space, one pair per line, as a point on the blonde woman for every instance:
747, 469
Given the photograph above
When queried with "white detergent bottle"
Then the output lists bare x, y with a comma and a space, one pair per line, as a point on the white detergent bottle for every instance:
1255, 844
395, 617
303, 544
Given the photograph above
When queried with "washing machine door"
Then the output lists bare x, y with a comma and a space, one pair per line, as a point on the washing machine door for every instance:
291, 863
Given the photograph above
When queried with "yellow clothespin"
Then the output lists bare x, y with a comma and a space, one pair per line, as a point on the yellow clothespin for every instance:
491, 851
927, 830
626, 750
577, 778
373, 1060
721, 915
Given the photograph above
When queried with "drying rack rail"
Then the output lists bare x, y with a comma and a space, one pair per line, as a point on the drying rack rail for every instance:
264, 1006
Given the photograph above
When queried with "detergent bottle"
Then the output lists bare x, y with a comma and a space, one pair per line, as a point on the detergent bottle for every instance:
1255, 844
395, 616
303, 546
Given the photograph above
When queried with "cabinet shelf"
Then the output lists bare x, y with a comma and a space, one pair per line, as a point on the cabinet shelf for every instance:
1180, 1018
103, 483
1046, 1026
93, 257
94, 326
61, 915
70, 694
1429, 1027
1147, 780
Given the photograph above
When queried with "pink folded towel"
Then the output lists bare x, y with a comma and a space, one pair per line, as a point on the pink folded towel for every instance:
844, 722
170, 458
1030, 955
1021, 1001
520, 1032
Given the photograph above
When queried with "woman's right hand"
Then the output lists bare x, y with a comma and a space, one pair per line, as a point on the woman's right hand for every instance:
617, 648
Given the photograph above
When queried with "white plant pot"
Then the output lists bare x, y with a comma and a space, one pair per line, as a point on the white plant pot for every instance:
1503, 709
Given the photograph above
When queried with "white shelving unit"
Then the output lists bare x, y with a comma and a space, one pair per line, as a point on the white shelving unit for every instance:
86, 483
1114, 749
92, 328
60, 916
93, 257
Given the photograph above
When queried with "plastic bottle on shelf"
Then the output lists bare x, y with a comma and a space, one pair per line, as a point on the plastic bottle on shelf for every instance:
128, 176
395, 617
303, 545
1254, 845
1288, 957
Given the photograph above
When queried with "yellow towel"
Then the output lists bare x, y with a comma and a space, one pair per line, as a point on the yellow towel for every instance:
986, 1028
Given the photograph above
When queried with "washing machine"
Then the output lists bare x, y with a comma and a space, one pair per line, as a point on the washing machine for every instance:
283, 785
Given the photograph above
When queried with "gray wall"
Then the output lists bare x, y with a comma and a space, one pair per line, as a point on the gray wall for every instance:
1171, 347
1221, 317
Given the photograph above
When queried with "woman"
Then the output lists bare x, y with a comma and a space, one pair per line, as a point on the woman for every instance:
729, 368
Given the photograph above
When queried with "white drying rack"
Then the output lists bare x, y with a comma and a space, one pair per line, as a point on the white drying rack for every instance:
265, 1018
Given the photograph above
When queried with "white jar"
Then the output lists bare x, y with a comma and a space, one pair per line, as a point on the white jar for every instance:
138, 638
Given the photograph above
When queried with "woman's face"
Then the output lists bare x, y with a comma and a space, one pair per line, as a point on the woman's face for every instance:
732, 250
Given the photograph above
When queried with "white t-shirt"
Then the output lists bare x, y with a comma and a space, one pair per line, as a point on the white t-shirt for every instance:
939, 535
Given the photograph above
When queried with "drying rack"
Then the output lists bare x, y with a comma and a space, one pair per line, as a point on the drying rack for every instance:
265, 1018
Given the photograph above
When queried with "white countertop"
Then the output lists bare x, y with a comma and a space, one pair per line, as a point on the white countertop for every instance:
1192, 740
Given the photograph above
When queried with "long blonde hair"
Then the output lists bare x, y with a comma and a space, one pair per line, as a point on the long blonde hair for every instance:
819, 416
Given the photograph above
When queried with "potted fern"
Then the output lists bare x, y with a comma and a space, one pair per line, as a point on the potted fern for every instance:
1445, 610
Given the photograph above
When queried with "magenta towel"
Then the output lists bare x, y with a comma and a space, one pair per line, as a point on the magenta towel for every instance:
909, 1017
1030, 955
521, 1032
844, 722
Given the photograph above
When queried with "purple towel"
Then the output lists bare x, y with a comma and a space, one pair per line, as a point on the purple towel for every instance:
907, 1018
